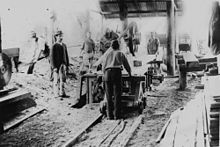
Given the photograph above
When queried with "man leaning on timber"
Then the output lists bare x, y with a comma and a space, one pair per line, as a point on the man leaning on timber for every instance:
59, 62
112, 68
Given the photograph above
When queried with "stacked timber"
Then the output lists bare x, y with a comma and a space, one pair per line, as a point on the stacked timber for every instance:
185, 128
212, 101
16, 105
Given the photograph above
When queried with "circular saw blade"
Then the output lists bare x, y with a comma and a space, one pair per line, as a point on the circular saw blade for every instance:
5, 70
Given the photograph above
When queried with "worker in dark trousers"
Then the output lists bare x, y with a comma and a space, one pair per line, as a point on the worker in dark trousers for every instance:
112, 66
59, 61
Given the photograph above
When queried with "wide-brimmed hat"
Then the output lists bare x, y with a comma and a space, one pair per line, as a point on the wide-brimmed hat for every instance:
59, 32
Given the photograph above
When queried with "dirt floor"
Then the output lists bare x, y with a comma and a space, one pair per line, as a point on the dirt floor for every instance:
60, 121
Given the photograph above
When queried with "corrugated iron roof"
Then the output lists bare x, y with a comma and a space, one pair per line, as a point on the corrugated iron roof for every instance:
137, 8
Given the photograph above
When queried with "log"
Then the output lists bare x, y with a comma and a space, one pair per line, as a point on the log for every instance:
15, 96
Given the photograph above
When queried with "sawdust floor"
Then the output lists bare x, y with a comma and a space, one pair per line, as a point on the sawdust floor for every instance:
61, 122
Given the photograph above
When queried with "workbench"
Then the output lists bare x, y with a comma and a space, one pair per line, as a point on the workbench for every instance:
133, 88
187, 62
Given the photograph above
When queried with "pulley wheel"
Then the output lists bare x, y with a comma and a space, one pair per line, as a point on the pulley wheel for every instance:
5, 70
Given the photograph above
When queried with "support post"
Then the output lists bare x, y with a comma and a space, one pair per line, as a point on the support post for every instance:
123, 14
87, 25
182, 77
170, 39
0, 36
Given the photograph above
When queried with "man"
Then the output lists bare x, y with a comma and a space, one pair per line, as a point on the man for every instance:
106, 39
88, 50
112, 67
37, 46
59, 61
153, 44
214, 29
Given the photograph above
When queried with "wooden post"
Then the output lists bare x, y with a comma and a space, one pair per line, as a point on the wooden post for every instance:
1, 87
170, 39
52, 21
0, 36
123, 15
182, 77
87, 25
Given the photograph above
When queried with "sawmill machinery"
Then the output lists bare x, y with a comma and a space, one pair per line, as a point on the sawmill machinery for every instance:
5, 66
5, 70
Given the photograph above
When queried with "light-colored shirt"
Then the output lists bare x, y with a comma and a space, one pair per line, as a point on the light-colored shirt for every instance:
115, 59
88, 46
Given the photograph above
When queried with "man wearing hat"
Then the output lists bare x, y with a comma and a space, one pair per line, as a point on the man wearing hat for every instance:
59, 61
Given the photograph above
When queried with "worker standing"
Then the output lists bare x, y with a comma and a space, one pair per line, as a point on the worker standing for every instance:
106, 39
87, 51
153, 44
112, 66
59, 62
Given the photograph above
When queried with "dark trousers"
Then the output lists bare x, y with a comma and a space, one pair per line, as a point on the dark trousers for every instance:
130, 46
112, 79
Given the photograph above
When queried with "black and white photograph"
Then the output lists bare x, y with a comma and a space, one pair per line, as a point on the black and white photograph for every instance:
109, 73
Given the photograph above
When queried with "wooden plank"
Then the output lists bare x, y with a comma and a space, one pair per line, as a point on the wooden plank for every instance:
219, 131
200, 139
212, 86
186, 130
189, 57
198, 67
14, 96
73, 140
11, 52
14, 124
109, 133
131, 132
169, 136
5, 92
214, 114
163, 131
206, 110
161, 135
215, 105
208, 60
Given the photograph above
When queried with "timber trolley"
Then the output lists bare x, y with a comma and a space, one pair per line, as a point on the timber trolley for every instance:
133, 89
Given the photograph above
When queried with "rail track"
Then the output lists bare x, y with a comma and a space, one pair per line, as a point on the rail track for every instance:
102, 132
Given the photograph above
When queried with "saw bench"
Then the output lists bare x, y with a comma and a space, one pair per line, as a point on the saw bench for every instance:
187, 62
133, 89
